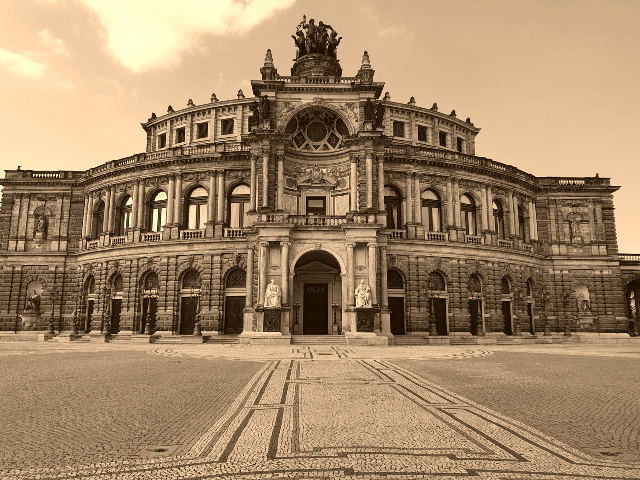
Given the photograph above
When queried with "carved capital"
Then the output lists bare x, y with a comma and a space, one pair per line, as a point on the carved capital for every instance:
285, 244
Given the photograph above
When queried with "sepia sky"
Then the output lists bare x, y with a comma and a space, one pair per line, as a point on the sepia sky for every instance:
553, 84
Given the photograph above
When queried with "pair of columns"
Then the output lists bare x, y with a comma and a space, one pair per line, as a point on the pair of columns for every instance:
263, 260
253, 197
414, 198
372, 274
108, 222
368, 157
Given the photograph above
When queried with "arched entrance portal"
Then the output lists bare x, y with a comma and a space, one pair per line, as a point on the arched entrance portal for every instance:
317, 294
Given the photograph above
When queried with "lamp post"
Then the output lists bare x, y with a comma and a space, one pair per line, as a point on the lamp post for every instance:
566, 298
54, 297
433, 330
74, 320
296, 307
517, 299
106, 311
151, 292
545, 301
197, 332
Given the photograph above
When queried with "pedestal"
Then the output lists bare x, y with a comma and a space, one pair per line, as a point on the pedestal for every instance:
271, 319
68, 337
30, 318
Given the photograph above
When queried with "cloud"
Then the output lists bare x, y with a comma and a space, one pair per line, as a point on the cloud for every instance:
21, 65
149, 34
55, 44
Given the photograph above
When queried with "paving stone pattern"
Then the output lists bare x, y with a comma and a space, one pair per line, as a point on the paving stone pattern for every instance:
589, 402
322, 412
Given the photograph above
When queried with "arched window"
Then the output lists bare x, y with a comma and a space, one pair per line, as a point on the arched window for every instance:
392, 205
436, 282
124, 218
237, 278
529, 288
99, 219
431, 216
191, 280
196, 208
520, 223
475, 285
498, 219
394, 280
239, 206
158, 212
90, 285
118, 285
468, 215
505, 286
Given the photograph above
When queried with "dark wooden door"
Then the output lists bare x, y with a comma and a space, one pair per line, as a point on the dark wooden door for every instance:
233, 314
440, 312
532, 325
150, 311
188, 307
506, 317
116, 307
474, 311
396, 305
87, 327
315, 316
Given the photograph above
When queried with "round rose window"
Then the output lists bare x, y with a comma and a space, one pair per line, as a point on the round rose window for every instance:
317, 130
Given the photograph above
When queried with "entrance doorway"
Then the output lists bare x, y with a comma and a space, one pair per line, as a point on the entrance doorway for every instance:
475, 310
87, 327
315, 315
149, 309
188, 307
116, 308
506, 318
233, 315
440, 312
396, 305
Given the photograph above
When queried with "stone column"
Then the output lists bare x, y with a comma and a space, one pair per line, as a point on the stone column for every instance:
262, 271
516, 229
252, 195
409, 197
280, 203
211, 201
369, 163
380, 183
112, 208
105, 219
512, 218
490, 207
220, 215
134, 206
178, 200
90, 215
449, 202
418, 199
171, 199
373, 272
484, 208
384, 294
353, 181
265, 179
456, 202
84, 216
284, 265
351, 301
247, 318
141, 209
535, 220
532, 234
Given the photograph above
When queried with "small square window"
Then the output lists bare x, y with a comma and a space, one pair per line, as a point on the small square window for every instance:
443, 138
459, 144
227, 126
162, 140
422, 133
398, 129
180, 133
203, 130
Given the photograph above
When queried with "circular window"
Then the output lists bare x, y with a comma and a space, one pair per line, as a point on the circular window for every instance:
316, 131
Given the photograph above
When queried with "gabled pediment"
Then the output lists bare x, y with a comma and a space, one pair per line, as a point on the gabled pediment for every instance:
316, 267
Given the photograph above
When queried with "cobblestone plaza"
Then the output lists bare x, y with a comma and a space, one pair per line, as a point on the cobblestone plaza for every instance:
235, 411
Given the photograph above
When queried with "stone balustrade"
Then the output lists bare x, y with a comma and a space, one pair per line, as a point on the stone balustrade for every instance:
630, 257
233, 233
474, 239
114, 241
528, 248
192, 234
151, 237
395, 234
505, 243
436, 236
93, 244
317, 220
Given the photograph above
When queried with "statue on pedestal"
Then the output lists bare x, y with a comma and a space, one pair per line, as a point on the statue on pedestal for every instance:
363, 295
33, 302
272, 295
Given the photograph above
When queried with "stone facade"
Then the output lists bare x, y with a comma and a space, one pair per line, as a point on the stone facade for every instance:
317, 183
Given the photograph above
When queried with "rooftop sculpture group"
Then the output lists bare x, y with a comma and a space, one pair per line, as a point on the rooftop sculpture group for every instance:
312, 38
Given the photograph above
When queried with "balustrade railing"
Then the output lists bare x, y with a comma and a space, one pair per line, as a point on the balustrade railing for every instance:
571, 181
364, 218
528, 248
233, 233
118, 240
93, 244
46, 175
505, 243
152, 237
395, 234
436, 236
630, 257
271, 217
317, 220
192, 234
474, 239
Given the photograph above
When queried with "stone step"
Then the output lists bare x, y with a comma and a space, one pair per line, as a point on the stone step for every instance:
318, 340
223, 339
466, 340
410, 340
173, 339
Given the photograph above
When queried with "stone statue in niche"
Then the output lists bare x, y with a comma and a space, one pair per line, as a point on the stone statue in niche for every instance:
369, 110
254, 120
379, 116
40, 227
363, 295
265, 107
33, 302
272, 296
583, 304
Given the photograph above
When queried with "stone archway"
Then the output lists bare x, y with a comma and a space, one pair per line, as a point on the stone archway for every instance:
317, 294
